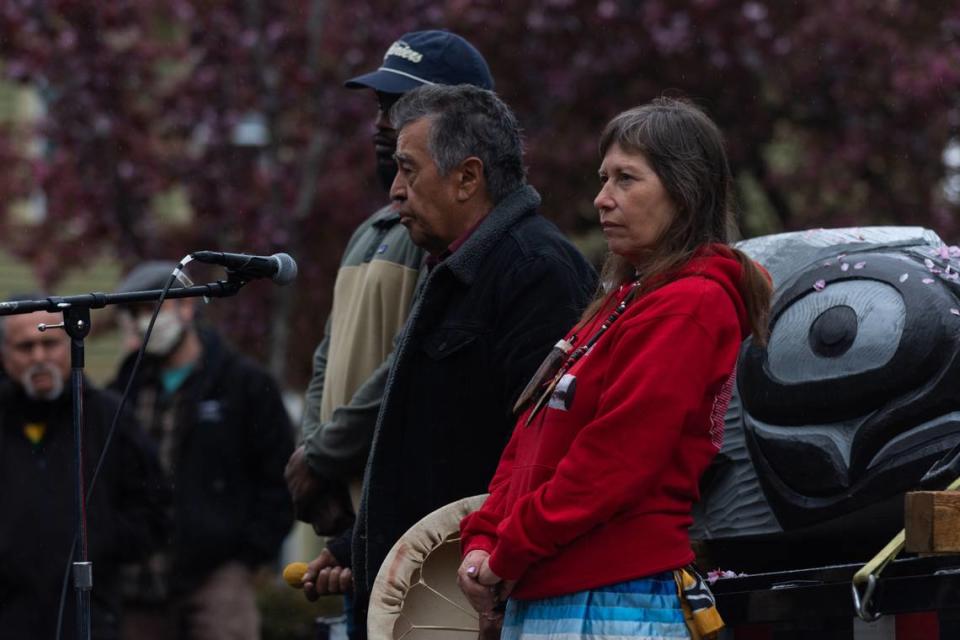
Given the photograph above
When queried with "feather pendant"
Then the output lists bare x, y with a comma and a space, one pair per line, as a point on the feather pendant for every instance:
545, 372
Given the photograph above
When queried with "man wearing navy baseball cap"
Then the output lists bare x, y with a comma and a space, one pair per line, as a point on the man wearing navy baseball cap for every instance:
416, 59
426, 57
372, 298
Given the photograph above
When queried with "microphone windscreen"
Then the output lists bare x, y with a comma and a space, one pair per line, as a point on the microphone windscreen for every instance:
286, 268
293, 574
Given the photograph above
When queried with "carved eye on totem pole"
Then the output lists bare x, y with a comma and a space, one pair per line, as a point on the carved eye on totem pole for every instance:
857, 389
857, 393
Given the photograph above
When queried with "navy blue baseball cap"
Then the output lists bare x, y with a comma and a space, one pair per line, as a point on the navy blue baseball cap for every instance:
426, 57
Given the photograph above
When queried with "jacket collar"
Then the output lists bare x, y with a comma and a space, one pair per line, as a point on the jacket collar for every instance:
466, 260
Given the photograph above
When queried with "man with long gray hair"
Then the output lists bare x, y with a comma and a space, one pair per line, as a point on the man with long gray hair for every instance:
503, 286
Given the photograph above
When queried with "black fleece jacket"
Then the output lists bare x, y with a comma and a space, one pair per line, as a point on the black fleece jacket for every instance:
484, 320
125, 512
230, 498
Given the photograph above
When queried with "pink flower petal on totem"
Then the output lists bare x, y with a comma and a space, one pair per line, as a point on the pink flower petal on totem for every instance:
860, 265
928, 281
845, 266
942, 252
928, 263
955, 312
953, 251
819, 285
904, 277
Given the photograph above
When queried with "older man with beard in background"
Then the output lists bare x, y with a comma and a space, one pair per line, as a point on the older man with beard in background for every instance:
38, 484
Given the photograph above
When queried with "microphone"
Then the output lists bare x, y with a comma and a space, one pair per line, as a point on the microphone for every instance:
279, 267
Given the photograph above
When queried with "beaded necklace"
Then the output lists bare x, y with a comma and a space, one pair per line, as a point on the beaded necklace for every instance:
563, 356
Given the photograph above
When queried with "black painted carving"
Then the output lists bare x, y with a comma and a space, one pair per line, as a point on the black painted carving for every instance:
855, 397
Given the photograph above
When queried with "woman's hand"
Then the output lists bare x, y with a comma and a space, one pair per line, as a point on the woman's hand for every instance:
481, 597
501, 588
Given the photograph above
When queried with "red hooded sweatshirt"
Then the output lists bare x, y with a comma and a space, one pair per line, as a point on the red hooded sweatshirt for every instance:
597, 489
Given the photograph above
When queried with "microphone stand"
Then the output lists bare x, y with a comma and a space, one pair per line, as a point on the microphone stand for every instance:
76, 322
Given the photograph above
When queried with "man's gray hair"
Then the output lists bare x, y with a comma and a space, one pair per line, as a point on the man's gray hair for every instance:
468, 121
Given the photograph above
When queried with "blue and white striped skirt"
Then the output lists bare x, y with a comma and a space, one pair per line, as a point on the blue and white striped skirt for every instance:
646, 608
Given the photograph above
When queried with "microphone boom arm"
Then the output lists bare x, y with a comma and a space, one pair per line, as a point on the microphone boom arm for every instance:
56, 304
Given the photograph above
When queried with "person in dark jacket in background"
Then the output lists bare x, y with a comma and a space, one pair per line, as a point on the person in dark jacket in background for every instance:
503, 284
223, 437
125, 515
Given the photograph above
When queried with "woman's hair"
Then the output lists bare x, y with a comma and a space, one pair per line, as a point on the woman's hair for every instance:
685, 149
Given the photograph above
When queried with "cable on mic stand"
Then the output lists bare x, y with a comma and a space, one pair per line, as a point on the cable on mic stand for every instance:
83, 578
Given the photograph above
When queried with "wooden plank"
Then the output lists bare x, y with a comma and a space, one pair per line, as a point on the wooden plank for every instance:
932, 521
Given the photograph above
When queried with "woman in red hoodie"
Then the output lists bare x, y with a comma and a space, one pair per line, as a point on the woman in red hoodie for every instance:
589, 508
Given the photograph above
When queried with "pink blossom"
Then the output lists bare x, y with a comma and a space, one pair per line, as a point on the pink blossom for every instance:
860, 265
819, 285
720, 574
904, 277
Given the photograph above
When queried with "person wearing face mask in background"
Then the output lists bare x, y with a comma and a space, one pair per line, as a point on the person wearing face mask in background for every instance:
223, 437
125, 514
